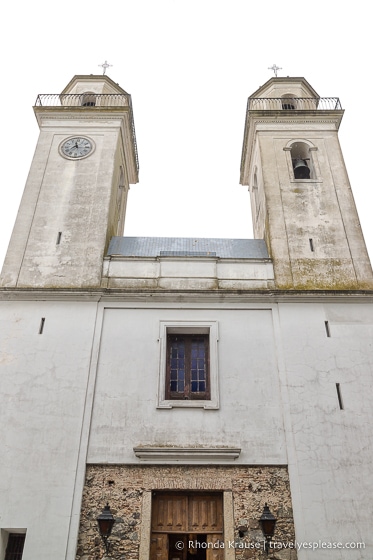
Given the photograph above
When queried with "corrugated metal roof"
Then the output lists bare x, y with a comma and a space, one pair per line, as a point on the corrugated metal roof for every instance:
188, 246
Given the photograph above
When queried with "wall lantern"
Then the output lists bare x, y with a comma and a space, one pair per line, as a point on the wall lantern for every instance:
267, 524
105, 524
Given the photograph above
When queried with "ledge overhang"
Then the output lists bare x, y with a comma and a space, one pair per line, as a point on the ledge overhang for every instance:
186, 454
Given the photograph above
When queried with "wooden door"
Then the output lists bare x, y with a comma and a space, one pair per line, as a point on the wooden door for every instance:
205, 513
159, 547
180, 517
169, 513
215, 553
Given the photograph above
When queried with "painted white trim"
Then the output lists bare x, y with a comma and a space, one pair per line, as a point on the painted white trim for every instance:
167, 454
208, 327
72, 540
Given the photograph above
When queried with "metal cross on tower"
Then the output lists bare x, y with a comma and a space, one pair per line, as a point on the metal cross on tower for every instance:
105, 65
275, 68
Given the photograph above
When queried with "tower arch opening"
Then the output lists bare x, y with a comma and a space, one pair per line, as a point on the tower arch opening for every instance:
301, 159
88, 99
288, 102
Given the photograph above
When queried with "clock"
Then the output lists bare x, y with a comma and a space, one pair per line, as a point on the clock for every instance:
77, 147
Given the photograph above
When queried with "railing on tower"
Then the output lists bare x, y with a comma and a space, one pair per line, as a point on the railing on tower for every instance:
89, 101
293, 104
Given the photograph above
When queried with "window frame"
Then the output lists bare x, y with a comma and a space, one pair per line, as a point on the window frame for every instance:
188, 392
209, 328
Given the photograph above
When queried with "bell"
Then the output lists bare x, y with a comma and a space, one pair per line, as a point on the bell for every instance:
301, 169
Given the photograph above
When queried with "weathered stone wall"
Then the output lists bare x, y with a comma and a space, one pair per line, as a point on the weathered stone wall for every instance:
124, 488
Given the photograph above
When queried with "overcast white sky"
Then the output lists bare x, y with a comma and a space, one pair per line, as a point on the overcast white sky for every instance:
190, 66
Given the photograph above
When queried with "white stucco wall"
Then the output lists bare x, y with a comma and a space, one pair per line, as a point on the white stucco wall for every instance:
330, 450
125, 413
43, 391
277, 402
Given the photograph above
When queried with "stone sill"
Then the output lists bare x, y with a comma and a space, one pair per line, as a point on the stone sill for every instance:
178, 454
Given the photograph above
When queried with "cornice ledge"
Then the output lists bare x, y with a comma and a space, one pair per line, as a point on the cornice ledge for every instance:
177, 454
292, 115
266, 296
49, 294
274, 120
107, 295
78, 108
176, 258
83, 117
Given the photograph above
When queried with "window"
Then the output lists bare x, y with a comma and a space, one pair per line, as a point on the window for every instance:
188, 374
14, 549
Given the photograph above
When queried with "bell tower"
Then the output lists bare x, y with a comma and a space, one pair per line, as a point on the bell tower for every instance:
301, 198
75, 196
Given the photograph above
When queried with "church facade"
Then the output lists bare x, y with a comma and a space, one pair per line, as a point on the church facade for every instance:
186, 382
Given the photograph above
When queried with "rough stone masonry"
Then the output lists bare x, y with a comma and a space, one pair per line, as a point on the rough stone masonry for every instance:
124, 488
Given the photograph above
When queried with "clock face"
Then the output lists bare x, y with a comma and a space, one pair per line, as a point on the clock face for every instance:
76, 147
